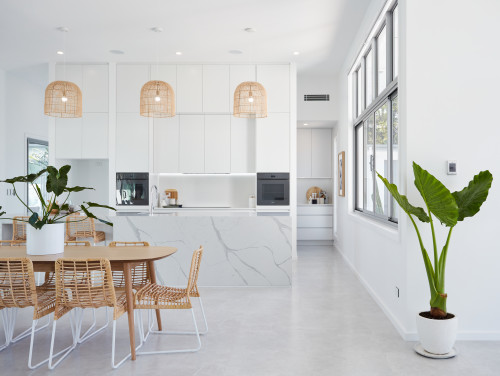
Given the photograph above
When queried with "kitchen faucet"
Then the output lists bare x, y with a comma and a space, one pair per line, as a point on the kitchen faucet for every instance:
152, 205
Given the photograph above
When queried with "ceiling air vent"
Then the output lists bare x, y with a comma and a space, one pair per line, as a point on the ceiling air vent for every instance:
316, 97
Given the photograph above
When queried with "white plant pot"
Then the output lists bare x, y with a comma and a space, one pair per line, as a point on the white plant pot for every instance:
437, 336
46, 241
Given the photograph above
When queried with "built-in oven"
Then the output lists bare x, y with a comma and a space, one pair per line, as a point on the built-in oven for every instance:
273, 188
132, 188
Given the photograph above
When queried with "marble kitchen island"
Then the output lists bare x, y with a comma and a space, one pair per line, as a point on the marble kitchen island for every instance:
241, 248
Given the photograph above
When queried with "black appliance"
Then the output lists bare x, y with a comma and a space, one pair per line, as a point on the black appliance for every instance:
273, 188
132, 188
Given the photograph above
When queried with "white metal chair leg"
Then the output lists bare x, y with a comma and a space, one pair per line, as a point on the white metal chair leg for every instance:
27, 332
173, 351
205, 331
89, 333
65, 352
7, 327
138, 319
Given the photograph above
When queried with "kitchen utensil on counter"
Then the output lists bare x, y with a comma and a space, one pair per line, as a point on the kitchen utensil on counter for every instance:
172, 193
251, 201
172, 201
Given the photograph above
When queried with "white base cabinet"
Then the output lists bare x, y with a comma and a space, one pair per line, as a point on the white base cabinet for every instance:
315, 222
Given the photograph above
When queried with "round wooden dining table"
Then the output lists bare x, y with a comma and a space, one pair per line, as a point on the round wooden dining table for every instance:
121, 259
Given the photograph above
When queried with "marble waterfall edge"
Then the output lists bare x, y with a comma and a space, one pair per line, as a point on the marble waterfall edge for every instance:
238, 251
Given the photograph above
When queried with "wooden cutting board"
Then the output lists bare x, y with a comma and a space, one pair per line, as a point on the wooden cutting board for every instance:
312, 190
173, 193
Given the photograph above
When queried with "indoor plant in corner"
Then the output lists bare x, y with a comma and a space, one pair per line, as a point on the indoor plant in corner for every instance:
45, 233
437, 328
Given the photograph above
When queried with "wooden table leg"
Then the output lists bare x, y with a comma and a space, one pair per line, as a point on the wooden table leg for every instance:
152, 275
130, 306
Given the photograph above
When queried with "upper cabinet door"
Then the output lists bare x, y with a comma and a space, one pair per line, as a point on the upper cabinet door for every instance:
321, 156
242, 144
189, 88
216, 88
70, 72
166, 144
191, 144
132, 143
276, 81
95, 136
304, 153
68, 138
129, 82
273, 143
217, 143
95, 88
237, 75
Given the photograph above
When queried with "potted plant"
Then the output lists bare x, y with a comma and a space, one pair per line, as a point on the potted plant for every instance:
45, 233
437, 328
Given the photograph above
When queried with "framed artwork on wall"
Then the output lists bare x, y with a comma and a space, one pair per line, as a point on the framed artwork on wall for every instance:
341, 172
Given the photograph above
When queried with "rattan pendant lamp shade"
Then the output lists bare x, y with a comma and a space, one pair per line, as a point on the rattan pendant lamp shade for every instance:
250, 100
157, 100
63, 99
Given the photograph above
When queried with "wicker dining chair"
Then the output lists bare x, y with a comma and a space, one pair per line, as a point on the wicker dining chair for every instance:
78, 243
12, 243
154, 296
140, 273
82, 227
18, 290
19, 227
85, 284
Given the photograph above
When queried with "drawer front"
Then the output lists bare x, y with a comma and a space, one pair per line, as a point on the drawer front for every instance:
315, 210
314, 234
314, 221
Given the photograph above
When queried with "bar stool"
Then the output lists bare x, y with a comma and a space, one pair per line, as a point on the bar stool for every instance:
18, 290
82, 227
84, 284
154, 296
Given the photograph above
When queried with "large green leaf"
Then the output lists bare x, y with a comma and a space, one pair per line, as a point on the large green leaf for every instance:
90, 215
1, 212
403, 202
25, 179
95, 205
437, 197
76, 189
470, 199
35, 221
57, 180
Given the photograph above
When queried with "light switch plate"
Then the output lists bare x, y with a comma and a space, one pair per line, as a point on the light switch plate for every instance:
452, 167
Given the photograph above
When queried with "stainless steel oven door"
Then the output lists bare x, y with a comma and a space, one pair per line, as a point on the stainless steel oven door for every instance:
273, 189
132, 189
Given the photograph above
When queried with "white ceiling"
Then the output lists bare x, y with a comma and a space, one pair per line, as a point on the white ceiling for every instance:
204, 30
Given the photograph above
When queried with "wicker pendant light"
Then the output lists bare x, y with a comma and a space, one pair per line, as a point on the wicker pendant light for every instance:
63, 99
250, 100
157, 100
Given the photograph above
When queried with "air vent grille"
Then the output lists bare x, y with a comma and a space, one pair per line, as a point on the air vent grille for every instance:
316, 97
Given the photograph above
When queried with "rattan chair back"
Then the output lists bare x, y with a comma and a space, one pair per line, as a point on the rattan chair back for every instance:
140, 273
78, 243
78, 226
194, 271
17, 283
19, 227
128, 244
12, 243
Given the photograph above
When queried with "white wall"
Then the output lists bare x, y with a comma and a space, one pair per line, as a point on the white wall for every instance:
308, 83
3, 156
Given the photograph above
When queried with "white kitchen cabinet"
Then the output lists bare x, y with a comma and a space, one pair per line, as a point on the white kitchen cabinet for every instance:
132, 143
237, 75
68, 138
304, 153
276, 81
95, 88
273, 143
70, 72
129, 82
217, 143
95, 136
191, 144
242, 145
189, 88
321, 153
166, 145
315, 222
216, 88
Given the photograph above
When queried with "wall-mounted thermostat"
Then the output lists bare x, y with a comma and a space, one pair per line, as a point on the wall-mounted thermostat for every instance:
452, 167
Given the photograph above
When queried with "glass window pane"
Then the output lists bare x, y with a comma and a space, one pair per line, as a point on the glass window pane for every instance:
359, 82
395, 42
38, 159
369, 78
369, 165
381, 60
381, 160
395, 150
359, 166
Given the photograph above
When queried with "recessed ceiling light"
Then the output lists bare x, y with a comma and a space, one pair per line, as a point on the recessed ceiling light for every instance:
116, 52
178, 53
60, 53
306, 123
250, 30
296, 53
157, 29
235, 52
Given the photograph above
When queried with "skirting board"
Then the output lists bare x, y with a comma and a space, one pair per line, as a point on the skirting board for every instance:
413, 336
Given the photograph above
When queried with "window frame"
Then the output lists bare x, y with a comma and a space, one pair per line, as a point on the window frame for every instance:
31, 140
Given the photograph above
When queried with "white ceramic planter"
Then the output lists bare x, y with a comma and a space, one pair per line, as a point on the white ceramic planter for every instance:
46, 241
437, 336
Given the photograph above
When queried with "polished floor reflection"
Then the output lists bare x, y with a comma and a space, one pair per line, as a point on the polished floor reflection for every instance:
327, 324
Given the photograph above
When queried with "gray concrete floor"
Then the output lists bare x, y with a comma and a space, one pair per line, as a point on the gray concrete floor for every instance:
327, 324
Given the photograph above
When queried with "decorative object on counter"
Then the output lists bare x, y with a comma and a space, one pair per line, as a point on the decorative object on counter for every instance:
323, 195
341, 169
157, 100
251, 201
172, 193
42, 239
437, 328
250, 100
63, 99
313, 192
